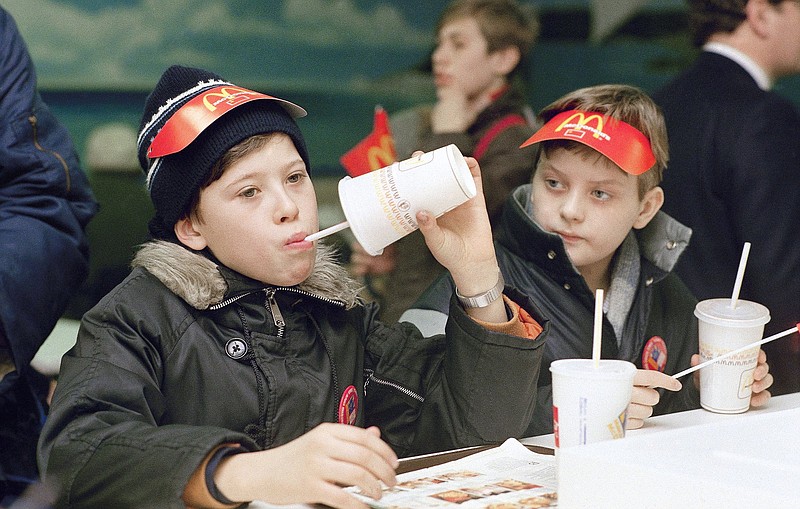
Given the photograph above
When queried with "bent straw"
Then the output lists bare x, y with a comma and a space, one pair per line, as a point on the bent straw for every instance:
796, 328
598, 327
740, 275
328, 231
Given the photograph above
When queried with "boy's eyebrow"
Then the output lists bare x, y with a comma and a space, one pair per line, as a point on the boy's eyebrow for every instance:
604, 182
450, 32
246, 176
288, 167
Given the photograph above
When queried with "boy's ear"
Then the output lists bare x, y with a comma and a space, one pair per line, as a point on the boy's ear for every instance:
506, 59
188, 235
651, 203
756, 14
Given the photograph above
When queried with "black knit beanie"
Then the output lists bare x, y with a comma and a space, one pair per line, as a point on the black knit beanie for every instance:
174, 179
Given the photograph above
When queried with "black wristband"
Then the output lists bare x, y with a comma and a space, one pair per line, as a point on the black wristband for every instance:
211, 468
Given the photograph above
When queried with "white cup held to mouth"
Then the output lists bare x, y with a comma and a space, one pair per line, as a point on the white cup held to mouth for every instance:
381, 206
726, 385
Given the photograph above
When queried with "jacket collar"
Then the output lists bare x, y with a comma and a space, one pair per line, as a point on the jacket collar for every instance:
661, 242
512, 100
203, 282
755, 71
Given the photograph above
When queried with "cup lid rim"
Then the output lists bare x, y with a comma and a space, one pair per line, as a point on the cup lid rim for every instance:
608, 368
719, 312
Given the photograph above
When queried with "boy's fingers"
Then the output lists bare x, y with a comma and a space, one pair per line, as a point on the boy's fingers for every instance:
429, 228
366, 449
640, 412
644, 396
760, 398
473, 166
334, 496
761, 385
633, 423
654, 379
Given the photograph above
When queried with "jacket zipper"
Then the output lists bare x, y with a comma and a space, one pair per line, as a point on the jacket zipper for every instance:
393, 385
277, 317
34, 126
231, 300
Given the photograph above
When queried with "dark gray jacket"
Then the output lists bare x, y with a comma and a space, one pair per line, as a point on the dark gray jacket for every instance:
184, 355
734, 177
536, 263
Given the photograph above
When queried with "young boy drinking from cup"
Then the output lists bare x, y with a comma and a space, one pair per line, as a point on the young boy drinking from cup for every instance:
590, 219
225, 368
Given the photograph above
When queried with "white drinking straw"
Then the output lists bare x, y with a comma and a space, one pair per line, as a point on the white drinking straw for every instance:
796, 328
598, 327
328, 231
740, 275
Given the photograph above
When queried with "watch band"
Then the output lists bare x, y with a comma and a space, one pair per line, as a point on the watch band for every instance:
483, 299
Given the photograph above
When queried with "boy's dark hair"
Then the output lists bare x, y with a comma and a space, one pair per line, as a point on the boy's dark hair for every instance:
174, 181
503, 23
707, 17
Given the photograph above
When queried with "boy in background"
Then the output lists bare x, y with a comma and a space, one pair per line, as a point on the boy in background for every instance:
478, 68
590, 219
236, 362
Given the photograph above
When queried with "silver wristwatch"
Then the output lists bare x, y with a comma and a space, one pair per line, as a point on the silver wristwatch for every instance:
483, 299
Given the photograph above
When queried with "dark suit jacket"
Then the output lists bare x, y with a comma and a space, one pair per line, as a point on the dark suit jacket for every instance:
734, 177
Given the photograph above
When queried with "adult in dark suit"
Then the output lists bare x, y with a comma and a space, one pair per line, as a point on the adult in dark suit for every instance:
734, 171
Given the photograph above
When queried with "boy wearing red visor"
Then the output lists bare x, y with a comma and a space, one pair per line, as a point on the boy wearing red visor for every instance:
236, 361
590, 219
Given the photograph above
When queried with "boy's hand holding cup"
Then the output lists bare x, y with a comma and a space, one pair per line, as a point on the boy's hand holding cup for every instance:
386, 204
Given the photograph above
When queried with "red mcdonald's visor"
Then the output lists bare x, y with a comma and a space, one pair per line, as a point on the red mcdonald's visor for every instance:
615, 139
203, 110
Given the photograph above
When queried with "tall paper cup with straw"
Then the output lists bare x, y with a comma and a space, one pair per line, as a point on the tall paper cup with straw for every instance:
591, 396
381, 206
725, 325
590, 402
726, 385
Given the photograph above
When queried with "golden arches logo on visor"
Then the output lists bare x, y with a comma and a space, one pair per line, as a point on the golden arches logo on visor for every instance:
227, 96
625, 145
201, 111
577, 125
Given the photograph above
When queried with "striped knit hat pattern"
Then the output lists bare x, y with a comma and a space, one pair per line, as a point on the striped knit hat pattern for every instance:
174, 179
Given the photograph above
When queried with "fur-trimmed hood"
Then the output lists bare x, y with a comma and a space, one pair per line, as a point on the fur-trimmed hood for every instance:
199, 280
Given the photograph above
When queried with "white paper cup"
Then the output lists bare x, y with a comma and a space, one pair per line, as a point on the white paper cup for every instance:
590, 404
381, 206
726, 385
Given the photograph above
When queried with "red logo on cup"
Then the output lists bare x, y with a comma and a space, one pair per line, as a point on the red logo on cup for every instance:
555, 425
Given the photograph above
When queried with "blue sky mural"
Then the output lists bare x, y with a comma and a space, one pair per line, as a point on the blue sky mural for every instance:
338, 58
288, 44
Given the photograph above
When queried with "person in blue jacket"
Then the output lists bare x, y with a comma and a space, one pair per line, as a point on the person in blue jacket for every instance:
45, 205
